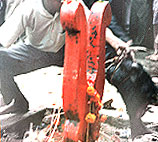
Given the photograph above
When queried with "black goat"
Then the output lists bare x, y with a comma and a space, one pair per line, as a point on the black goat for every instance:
135, 86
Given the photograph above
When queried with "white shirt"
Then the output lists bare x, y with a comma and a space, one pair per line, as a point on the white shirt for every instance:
11, 5
43, 31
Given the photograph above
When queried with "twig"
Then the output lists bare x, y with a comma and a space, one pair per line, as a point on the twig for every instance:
56, 125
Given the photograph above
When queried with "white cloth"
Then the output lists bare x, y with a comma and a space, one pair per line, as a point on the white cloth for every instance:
43, 31
11, 5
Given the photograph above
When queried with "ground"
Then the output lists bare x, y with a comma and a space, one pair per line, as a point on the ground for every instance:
39, 89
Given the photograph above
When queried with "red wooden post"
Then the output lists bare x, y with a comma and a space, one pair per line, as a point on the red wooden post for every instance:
74, 82
99, 19
83, 68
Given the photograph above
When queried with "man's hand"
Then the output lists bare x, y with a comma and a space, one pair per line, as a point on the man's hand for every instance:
123, 45
115, 42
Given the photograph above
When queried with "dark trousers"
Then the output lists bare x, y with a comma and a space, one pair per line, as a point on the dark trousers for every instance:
20, 59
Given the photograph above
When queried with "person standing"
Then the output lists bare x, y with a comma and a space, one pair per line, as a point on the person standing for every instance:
141, 28
154, 56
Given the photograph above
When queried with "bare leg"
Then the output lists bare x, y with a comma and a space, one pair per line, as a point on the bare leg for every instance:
154, 56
